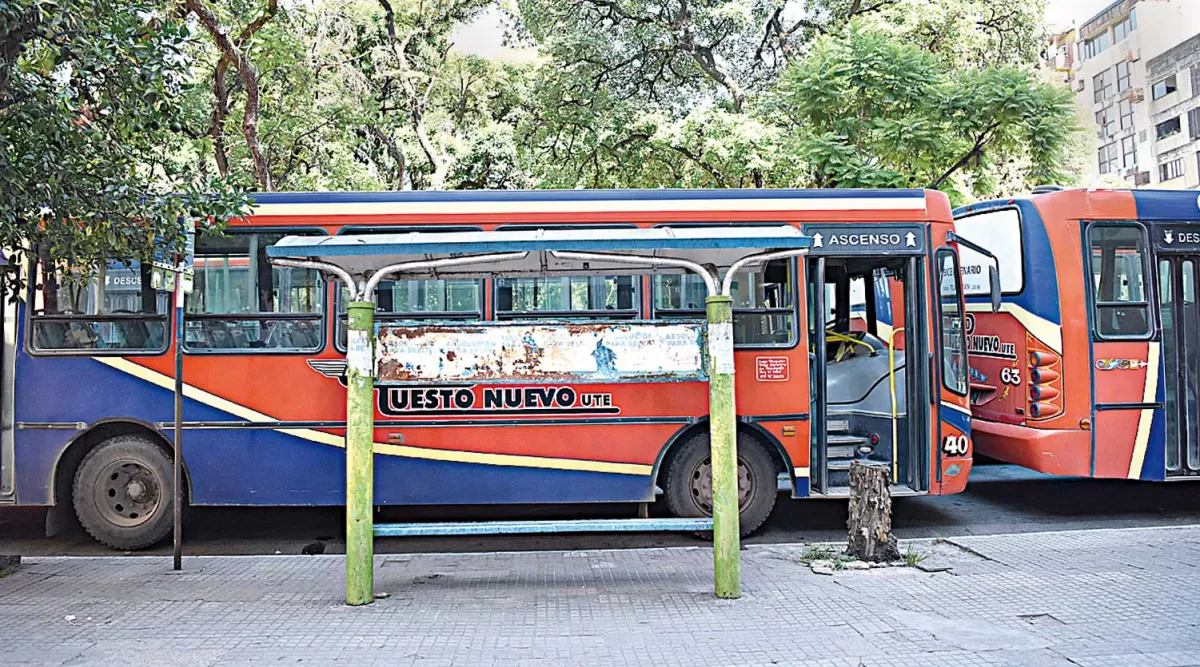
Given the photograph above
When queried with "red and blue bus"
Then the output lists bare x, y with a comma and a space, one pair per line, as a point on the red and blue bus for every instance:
88, 367
1091, 366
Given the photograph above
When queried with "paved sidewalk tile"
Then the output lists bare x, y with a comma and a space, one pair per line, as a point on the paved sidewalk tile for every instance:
1107, 597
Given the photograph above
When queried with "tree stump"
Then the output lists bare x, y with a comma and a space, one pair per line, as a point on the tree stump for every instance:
870, 520
8, 564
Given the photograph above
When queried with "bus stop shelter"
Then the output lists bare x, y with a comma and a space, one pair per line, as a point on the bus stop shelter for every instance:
715, 254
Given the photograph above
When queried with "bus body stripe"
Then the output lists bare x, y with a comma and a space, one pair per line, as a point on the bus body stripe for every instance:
1046, 331
1147, 415
589, 206
515, 460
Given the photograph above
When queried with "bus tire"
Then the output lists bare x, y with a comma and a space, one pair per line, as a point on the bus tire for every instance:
122, 493
688, 486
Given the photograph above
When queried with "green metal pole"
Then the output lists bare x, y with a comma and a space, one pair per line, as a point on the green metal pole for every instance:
722, 424
360, 463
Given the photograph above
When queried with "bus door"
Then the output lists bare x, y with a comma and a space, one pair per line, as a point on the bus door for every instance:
1177, 254
1125, 353
861, 336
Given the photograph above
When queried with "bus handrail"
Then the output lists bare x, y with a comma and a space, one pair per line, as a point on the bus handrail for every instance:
895, 410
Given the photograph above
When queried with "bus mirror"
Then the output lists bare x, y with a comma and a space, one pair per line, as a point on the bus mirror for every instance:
994, 285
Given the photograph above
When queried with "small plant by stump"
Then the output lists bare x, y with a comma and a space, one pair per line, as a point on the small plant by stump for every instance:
9, 564
870, 520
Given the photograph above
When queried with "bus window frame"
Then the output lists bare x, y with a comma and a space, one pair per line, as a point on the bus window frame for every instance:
962, 314
999, 260
30, 319
1149, 284
464, 316
795, 311
319, 317
627, 315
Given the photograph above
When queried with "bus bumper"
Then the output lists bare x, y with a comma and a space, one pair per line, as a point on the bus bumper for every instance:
1053, 451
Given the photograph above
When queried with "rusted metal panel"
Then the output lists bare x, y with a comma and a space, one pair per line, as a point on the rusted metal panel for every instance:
410, 353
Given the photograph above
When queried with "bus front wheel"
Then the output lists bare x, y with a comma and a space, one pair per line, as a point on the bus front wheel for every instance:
122, 492
688, 488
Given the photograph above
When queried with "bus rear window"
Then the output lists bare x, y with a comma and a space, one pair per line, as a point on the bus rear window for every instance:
999, 231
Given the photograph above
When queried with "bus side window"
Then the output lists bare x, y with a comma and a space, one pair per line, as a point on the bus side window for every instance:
456, 299
1121, 308
95, 310
568, 297
241, 303
763, 305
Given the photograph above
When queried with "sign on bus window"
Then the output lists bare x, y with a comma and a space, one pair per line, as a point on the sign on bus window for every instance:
998, 231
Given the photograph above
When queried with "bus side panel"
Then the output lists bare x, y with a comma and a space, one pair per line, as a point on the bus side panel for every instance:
1126, 377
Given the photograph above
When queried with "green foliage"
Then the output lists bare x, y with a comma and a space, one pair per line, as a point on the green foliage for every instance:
867, 111
86, 111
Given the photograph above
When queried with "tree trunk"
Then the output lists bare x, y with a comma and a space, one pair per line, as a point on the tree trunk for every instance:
870, 521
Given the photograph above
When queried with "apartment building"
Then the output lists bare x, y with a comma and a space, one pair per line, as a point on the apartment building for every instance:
1130, 67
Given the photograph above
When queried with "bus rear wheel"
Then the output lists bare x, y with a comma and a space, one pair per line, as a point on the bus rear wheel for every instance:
688, 487
122, 492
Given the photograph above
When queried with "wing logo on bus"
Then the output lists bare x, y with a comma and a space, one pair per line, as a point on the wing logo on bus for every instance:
330, 368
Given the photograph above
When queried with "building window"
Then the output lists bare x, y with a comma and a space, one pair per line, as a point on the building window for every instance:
1124, 77
1125, 108
1107, 121
1095, 46
1163, 88
1108, 157
1167, 128
1122, 29
1194, 124
1170, 170
1102, 85
1129, 152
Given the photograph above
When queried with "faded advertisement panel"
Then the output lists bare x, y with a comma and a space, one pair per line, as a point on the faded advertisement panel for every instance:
544, 352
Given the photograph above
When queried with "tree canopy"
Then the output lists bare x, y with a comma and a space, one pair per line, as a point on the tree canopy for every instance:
119, 117
88, 121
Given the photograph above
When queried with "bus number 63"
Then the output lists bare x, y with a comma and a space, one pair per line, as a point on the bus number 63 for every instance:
1010, 376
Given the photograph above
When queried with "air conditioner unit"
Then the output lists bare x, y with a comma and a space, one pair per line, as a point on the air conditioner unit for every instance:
1080, 86
1137, 95
1142, 137
1141, 178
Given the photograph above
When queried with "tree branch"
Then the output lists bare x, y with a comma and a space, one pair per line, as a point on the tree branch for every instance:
981, 141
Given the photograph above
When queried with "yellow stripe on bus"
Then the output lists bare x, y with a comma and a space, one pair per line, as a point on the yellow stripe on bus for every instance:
405, 451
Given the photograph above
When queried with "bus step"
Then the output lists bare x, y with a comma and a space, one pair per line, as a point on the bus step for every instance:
834, 440
837, 426
541, 527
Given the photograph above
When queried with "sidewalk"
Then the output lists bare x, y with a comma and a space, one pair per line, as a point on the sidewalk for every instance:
1107, 597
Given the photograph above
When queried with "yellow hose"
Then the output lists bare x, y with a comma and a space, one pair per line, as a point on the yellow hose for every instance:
892, 380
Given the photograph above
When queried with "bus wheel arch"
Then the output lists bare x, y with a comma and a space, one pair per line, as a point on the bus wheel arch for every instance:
147, 458
683, 473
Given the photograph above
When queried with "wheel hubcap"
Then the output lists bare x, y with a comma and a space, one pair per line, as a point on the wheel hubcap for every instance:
702, 485
128, 493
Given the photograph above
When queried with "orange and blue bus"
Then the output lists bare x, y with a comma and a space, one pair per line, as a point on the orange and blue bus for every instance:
88, 366
1091, 366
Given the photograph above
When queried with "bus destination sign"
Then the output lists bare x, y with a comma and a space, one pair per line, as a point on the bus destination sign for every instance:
1176, 238
865, 239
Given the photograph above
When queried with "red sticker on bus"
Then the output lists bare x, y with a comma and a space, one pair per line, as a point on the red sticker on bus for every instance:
771, 369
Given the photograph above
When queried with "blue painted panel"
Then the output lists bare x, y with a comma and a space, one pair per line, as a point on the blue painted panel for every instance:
1167, 205
957, 419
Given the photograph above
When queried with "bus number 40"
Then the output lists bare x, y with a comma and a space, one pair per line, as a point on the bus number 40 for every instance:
956, 445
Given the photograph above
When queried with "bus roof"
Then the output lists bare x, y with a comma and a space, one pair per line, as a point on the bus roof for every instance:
1151, 205
359, 254
594, 205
